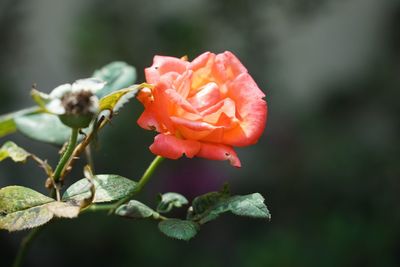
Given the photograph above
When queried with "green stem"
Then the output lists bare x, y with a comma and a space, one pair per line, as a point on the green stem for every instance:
66, 156
56, 177
142, 182
25, 244
147, 174
94, 208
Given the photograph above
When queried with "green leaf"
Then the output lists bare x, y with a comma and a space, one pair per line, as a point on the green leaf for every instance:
26, 219
43, 127
135, 209
14, 198
204, 202
170, 200
117, 99
7, 124
23, 208
251, 205
109, 187
117, 74
38, 215
179, 229
11, 150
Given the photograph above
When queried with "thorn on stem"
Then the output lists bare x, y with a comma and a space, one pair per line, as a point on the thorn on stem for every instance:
82, 133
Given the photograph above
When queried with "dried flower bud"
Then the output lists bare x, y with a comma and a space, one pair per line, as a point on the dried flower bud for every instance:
76, 104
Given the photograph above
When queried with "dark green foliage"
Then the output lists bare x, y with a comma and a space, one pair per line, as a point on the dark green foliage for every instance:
179, 229
23, 208
170, 200
108, 187
136, 210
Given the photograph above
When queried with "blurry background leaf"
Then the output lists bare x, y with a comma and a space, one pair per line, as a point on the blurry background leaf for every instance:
109, 187
178, 229
7, 124
170, 200
44, 128
117, 74
135, 209
16, 153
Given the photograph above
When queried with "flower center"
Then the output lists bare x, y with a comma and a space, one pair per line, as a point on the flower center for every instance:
77, 103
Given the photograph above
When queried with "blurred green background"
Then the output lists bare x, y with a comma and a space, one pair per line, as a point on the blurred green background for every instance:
328, 162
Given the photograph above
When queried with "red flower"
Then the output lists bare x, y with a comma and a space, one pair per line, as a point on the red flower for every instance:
202, 108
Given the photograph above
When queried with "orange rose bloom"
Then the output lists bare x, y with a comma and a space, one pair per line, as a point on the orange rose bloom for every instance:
202, 108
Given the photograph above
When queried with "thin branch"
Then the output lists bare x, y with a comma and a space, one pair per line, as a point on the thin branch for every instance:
79, 149
24, 246
142, 182
63, 163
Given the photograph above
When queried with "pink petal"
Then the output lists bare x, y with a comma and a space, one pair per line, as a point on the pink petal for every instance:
183, 82
171, 147
178, 100
195, 130
148, 121
162, 65
213, 114
202, 71
233, 62
169, 78
207, 96
219, 152
213, 108
201, 61
197, 135
156, 104
194, 125
251, 109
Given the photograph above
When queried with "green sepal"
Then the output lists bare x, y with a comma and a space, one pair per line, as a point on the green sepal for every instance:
76, 121
41, 99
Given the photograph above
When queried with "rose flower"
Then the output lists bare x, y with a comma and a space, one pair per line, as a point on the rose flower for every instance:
202, 108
